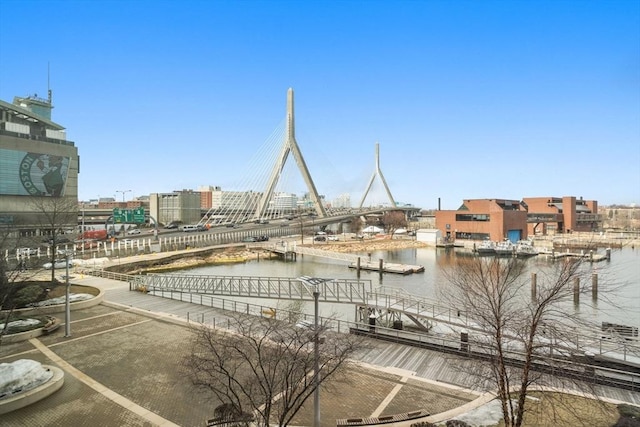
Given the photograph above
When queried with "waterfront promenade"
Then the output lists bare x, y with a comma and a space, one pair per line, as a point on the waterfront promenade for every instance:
122, 368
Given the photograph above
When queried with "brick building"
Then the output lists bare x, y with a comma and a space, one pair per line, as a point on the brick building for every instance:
481, 219
499, 219
551, 215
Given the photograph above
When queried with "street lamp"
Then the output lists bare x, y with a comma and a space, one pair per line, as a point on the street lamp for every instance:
123, 192
316, 360
315, 282
82, 229
67, 304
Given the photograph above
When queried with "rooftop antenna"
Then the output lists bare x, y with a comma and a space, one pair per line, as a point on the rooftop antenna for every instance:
49, 98
378, 172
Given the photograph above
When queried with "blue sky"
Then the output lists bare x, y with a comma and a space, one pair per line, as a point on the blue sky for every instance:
467, 99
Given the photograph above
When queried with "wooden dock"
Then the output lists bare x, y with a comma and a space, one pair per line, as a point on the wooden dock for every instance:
586, 255
386, 267
355, 261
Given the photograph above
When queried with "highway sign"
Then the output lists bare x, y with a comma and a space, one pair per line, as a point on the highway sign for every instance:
138, 215
122, 215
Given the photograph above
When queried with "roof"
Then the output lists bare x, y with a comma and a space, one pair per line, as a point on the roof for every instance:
23, 111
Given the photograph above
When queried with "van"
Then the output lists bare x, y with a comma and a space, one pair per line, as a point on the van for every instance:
187, 228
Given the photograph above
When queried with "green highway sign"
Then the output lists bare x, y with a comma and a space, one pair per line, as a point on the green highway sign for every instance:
117, 216
121, 216
138, 215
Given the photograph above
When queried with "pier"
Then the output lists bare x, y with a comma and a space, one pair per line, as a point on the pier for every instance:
290, 251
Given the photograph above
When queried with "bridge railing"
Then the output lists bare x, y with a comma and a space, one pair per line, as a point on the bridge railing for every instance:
339, 290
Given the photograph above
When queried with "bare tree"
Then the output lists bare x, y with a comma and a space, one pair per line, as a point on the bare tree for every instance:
355, 225
393, 221
55, 215
265, 367
13, 293
517, 329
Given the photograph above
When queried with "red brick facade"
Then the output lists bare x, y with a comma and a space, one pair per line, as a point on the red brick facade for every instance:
499, 219
551, 215
482, 219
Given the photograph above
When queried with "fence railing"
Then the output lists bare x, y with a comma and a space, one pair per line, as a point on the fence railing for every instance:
549, 358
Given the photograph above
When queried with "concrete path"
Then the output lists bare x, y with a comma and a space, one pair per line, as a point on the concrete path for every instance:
122, 365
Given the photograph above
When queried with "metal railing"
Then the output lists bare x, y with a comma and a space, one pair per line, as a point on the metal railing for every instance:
548, 359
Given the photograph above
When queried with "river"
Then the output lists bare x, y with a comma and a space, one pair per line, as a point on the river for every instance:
618, 279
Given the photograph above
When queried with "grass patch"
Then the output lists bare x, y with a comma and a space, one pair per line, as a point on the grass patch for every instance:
567, 410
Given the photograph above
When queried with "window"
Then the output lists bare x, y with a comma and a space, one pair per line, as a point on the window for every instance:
472, 217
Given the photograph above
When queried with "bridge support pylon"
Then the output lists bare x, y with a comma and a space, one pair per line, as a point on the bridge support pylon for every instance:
377, 172
290, 146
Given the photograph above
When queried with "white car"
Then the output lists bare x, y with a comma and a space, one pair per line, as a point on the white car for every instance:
133, 231
61, 263
333, 238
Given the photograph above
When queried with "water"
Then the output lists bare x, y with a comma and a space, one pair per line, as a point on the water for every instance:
618, 280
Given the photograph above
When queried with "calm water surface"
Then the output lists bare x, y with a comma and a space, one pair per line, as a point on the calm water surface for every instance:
618, 279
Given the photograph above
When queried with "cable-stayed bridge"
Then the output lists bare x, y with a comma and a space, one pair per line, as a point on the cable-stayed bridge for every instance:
265, 194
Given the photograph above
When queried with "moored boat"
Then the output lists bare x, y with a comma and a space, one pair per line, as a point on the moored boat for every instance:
505, 248
525, 248
487, 247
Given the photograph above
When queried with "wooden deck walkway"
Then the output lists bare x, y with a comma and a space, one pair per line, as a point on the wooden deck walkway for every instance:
422, 363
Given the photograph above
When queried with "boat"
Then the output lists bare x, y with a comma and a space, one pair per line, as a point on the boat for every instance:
525, 248
505, 248
487, 247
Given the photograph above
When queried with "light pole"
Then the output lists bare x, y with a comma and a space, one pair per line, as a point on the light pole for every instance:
82, 230
315, 282
123, 192
67, 304
316, 360
124, 226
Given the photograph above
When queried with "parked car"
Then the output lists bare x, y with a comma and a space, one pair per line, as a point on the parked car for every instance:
320, 238
134, 231
26, 251
263, 238
333, 238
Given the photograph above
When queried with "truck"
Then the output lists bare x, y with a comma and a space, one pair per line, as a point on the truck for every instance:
95, 235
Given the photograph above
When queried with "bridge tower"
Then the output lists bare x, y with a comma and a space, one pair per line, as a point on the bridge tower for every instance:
290, 146
378, 172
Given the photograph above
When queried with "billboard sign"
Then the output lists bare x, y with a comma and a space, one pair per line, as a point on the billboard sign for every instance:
32, 174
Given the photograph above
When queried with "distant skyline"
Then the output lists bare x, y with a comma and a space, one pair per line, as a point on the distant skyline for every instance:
467, 99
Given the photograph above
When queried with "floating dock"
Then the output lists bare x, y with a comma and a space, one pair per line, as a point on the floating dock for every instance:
589, 256
386, 267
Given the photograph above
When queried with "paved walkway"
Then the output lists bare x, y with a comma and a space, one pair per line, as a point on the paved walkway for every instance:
122, 368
